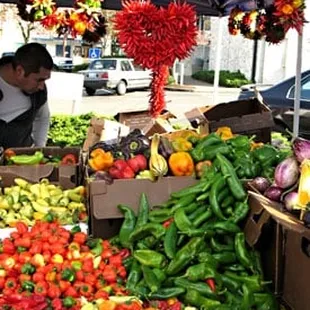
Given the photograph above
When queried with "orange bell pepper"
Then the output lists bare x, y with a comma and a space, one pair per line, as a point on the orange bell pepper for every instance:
100, 160
181, 164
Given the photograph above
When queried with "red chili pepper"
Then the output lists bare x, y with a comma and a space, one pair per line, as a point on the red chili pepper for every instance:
109, 274
211, 283
167, 223
124, 253
69, 159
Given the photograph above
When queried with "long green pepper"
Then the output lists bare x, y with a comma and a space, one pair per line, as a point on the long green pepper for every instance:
128, 225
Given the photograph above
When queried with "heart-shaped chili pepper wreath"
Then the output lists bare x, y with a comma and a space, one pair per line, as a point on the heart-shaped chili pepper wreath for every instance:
155, 38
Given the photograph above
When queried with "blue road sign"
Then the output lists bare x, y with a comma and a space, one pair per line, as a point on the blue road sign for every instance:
94, 53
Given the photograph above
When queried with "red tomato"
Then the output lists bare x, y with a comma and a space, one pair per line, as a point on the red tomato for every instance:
45, 235
71, 291
116, 260
23, 242
106, 253
79, 275
109, 274
40, 288
64, 285
86, 290
14, 235
2, 282
47, 256
53, 240
121, 271
80, 238
90, 279
53, 291
102, 294
45, 246
21, 227
38, 277
24, 277
88, 265
36, 248
24, 257
84, 248
57, 304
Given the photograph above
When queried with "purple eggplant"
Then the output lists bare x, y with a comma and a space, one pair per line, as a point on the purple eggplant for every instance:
287, 173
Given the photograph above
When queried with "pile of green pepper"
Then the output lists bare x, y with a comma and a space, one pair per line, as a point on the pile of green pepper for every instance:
192, 246
247, 162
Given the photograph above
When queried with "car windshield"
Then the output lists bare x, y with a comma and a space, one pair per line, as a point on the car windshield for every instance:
106, 64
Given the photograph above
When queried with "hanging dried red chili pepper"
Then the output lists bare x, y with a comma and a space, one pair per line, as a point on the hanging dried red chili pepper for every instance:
155, 38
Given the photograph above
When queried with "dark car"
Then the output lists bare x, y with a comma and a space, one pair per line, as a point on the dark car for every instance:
280, 98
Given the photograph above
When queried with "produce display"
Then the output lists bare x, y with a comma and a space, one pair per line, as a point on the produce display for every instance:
289, 183
192, 246
137, 156
28, 202
37, 158
49, 267
68, 130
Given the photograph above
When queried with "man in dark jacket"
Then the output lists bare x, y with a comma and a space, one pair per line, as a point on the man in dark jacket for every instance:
24, 112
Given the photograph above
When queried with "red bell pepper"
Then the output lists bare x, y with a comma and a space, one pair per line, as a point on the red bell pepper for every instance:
137, 163
69, 159
121, 170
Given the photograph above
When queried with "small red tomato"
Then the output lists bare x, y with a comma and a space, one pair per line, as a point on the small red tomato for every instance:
21, 227
53, 291
71, 291
80, 238
38, 277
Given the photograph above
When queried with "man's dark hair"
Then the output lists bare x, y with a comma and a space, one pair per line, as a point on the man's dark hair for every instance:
32, 57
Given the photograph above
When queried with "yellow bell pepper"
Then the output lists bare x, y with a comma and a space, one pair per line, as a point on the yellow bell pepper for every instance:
181, 145
181, 164
225, 133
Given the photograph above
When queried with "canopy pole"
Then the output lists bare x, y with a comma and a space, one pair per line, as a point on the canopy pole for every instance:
260, 78
297, 86
218, 61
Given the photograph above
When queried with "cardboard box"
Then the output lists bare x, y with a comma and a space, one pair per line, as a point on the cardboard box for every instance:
68, 176
143, 121
105, 218
250, 117
290, 243
266, 235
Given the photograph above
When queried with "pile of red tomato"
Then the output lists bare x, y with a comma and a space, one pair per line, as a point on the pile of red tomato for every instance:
56, 267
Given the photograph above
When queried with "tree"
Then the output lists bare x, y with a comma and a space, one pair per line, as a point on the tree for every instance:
26, 28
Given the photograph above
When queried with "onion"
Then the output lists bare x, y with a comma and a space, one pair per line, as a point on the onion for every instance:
291, 200
273, 193
260, 183
286, 173
301, 149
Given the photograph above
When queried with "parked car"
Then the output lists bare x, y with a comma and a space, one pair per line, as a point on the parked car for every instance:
63, 63
280, 98
118, 74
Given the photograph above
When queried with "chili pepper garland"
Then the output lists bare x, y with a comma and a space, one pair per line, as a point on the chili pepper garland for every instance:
272, 22
155, 38
86, 19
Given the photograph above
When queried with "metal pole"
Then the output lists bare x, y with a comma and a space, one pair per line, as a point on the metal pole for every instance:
218, 61
297, 86
254, 61
260, 78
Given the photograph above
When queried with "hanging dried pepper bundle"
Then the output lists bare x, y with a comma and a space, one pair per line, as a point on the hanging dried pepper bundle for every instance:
157, 100
155, 38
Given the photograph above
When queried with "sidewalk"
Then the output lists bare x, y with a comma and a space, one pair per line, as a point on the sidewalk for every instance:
192, 85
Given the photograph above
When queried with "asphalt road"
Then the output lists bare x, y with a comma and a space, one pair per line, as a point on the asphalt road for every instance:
178, 102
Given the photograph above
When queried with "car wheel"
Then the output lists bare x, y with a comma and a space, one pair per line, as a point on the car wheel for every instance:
121, 88
90, 91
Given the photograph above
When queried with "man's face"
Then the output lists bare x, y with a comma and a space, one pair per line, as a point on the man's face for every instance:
32, 82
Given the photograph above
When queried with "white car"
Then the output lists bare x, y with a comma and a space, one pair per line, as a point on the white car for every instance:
118, 74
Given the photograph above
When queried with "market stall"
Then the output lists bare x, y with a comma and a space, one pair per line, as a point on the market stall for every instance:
176, 218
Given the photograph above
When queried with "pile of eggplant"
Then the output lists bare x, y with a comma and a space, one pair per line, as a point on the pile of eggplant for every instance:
285, 184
